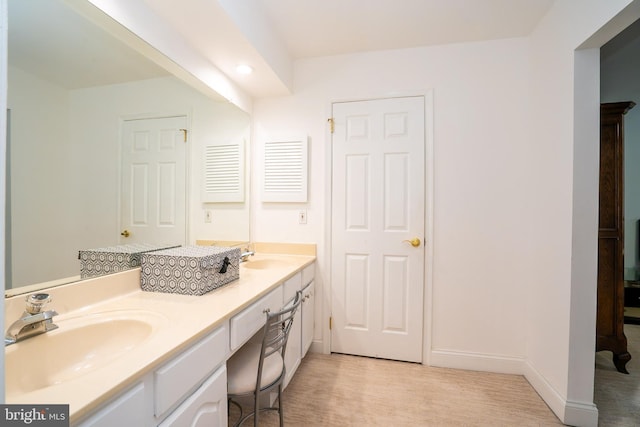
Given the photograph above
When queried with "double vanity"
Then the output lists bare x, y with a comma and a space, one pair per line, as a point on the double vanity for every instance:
123, 356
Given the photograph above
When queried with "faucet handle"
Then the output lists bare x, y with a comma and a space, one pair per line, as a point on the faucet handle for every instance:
36, 302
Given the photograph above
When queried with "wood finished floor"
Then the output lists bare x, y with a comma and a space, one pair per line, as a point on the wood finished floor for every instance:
340, 390
617, 395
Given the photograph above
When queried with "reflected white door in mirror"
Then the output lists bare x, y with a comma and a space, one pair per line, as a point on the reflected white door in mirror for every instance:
153, 190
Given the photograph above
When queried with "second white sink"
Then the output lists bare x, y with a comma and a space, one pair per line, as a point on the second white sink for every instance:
261, 264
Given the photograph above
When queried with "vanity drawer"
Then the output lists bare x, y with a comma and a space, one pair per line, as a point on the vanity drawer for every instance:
183, 374
291, 286
245, 324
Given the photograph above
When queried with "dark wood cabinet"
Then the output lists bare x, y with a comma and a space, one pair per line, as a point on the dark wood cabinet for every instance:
610, 317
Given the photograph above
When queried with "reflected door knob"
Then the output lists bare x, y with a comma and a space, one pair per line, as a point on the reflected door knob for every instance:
415, 242
125, 233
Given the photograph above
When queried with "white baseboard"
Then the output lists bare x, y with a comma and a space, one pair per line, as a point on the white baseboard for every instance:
477, 362
570, 413
317, 347
581, 414
552, 398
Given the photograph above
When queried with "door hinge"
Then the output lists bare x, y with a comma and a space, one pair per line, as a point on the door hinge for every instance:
332, 125
330, 323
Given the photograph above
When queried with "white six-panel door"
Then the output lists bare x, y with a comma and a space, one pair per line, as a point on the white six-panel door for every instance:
378, 210
153, 191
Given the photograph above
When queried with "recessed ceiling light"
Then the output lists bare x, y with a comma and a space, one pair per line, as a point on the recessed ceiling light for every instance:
244, 69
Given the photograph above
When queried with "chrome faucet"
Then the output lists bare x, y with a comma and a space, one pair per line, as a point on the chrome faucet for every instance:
33, 322
244, 256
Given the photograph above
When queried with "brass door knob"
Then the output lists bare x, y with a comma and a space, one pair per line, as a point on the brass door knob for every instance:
125, 233
415, 242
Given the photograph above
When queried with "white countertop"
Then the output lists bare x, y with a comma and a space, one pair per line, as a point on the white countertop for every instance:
186, 319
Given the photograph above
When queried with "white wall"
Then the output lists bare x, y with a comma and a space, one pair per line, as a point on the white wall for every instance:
564, 141
40, 166
68, 143
480, 92
515, 220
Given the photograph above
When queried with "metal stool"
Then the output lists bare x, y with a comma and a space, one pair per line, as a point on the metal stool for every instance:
263, 360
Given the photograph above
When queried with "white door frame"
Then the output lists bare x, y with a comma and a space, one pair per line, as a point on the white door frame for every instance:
188, 148
429, 194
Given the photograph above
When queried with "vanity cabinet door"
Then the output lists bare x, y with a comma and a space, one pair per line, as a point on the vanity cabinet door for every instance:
127, 410
206, 407
308, 274
308, 307
291, 286
174, 381
294, 345
308, 316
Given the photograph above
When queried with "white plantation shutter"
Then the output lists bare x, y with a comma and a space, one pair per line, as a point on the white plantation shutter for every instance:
223, 173
285, 170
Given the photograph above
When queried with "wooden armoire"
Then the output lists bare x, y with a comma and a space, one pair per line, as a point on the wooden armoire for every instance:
610, 318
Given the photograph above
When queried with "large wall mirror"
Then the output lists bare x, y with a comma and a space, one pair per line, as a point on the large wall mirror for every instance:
73, 89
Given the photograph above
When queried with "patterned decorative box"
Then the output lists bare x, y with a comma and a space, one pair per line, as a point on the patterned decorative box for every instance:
112, 259
189, 270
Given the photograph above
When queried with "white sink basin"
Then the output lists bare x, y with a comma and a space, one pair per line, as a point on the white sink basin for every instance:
261, 264
80, 345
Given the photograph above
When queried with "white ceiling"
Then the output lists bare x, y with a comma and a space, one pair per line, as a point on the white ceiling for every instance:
313, 28
302, 28
331, 27
55, 43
